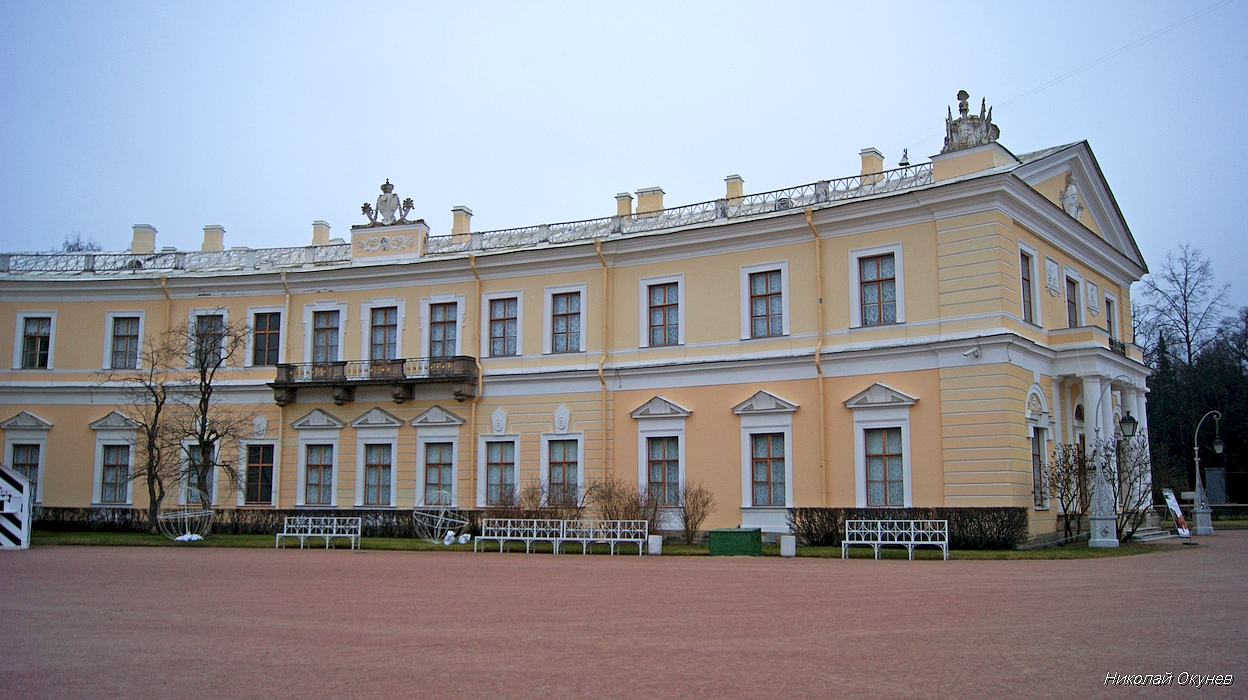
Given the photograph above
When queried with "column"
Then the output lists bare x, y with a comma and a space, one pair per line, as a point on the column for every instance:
1099, 411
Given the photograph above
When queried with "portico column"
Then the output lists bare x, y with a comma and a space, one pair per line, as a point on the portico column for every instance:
1103, 519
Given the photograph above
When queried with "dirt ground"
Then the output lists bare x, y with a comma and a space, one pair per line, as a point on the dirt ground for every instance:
148, 622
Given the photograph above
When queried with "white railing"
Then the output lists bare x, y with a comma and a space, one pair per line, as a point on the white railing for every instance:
233, 259
902, 533
560, 532
305, 527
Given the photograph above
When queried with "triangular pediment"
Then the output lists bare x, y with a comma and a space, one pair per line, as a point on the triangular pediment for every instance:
437, 416
764, 402
1046, 170
376, 418
879, 396
318, 419
114, 421
25, 421
659, 407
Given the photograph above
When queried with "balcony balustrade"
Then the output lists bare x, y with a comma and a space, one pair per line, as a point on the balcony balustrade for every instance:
401, 375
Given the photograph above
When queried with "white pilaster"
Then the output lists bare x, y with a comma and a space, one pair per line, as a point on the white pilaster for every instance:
1103, 519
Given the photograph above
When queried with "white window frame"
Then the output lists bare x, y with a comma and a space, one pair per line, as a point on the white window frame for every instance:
319, 436
309, 311
30, 436
191, 325
482, 457
643, 292
1070, 273
746, 271
765, 424
868, 418
366, 325
660, 427
184, 474
438, 434
1036, 317
375, 436
109, 317
488, 297
1113, 327
282, 337
544, 475
460, 315
242, 471
548, 321
122, 436
855, 283
19, 335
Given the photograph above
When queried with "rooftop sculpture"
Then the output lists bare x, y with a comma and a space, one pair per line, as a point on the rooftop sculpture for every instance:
387, 208
968, 130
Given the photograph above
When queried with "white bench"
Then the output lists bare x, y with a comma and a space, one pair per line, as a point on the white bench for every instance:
305, 527
559, 532
904, 533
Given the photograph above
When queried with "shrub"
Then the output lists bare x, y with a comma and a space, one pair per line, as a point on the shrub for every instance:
969, 528
236, 521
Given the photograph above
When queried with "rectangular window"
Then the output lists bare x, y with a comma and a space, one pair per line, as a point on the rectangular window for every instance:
1072, 303
1110, 320
116, 474
766, 304
36, 342
564, 465
438, 473
884, 468
664, 314
325, 336
500, 473
26, 463
265, 338
443, 324
503, 320
768, 458
198, 475
878, 280
1024, 272
259, 475
565, 322
319, 481
209, 335
1037, 465
377, 475
664, 463
125, 349
384, 340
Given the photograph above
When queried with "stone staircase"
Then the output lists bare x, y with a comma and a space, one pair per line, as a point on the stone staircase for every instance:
1151, 534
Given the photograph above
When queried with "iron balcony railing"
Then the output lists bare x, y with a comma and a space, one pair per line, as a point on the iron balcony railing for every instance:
233, 259
455, 368
1118, 347
814, 194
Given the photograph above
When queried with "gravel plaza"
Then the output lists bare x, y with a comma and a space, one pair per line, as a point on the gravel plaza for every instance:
140, 622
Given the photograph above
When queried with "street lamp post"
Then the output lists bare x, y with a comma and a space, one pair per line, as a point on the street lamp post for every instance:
1204, 516
1103, 520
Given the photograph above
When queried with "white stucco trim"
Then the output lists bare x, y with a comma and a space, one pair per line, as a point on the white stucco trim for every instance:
375, 436
109, 317
643, 315
544, 461
250, 341
318, 436
866, 418
111, 437
548, 322
309, 310
460, 314
241, 500
1070, 273
18, 335
28, 436
191, 322
765, 424
746, 271
366, 325
1036, 312
486, 298
437, 434
855, 282
482, 455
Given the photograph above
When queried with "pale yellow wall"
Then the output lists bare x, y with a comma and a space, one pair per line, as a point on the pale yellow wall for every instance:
1052, 190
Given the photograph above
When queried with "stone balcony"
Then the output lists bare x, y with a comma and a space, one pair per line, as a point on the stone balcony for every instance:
458, 373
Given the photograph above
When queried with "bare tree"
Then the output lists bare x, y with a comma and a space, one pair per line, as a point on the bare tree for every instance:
1182, 301
204, 419
76, 243
1069, 484
696, 503
1127, 472
616, 499
147, 391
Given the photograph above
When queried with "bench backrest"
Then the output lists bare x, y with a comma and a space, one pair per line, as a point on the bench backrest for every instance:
532, 529
935, 531
310, 525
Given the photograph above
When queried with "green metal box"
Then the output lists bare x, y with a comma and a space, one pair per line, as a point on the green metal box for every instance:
737, 542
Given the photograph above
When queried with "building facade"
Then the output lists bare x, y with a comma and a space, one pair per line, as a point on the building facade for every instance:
916, 336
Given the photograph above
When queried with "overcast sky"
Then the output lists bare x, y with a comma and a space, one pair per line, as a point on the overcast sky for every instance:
264, 117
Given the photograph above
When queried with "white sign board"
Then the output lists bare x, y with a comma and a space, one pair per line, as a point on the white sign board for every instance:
15, 512
1173, 504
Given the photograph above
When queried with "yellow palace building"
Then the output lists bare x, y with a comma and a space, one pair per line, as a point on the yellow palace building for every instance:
916, 336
